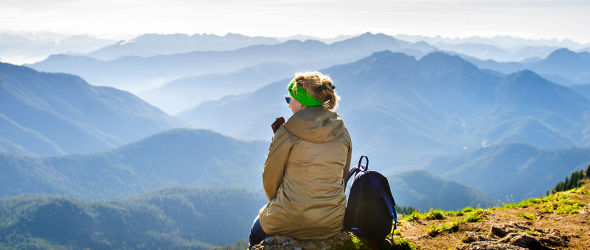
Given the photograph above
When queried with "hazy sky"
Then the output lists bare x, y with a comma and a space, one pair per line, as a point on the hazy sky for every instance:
322, 18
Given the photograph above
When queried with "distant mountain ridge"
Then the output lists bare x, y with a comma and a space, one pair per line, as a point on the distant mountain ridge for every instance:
184, 93
175, 157
144, 73
29, 47
562, 66
52, 114
148, 45
405, 110
511, 172
504, 42
491, 52
422, 190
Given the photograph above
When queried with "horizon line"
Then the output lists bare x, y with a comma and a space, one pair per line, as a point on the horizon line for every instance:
131, 36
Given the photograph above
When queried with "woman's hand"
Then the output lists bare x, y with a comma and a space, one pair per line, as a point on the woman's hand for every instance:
277, 124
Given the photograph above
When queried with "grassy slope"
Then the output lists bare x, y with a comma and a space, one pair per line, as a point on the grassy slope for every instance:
563, 211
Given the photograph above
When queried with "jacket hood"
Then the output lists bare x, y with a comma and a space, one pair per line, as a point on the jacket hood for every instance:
315, 124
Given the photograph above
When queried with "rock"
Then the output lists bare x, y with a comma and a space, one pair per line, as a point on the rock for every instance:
508, 238
498, 231
487, 245
553, 231
552, 240
285, 242
513, 240
424, 236
524, 240
502, 230
473, 237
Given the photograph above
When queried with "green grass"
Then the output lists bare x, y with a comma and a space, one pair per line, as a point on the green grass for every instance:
557, 203
467, 209
474, 215
435, 214
436, 229
353, 244
402, 244
526, 216
472, 218
415, 216
533, 233
580, 190
469, 215
523, 203
453, 213
358, 243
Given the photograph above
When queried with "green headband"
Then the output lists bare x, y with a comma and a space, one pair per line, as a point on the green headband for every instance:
301, 96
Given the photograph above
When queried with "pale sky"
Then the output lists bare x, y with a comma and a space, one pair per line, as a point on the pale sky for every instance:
322, 18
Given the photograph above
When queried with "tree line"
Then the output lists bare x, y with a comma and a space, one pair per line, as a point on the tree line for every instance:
574, 181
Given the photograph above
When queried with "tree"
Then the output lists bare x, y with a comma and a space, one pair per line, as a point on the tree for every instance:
574, 181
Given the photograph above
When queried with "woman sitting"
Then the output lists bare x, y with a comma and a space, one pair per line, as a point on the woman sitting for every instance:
308, 157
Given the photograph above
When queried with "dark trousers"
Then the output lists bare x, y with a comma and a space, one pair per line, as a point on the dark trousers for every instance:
256, 233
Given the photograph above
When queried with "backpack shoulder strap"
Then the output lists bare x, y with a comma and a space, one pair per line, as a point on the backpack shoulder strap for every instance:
358, 168
351, 172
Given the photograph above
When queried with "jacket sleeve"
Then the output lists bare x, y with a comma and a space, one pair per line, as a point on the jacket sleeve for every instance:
348, 158
276, 161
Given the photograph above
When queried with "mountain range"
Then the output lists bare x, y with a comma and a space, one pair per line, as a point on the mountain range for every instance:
562, 66
174, 157
500, 41
491, 52
511, 172
190, 157
29, 47
137, 73
145, 67
147, 45
185, 93
404, 111
172, 218
422, 190
56, 113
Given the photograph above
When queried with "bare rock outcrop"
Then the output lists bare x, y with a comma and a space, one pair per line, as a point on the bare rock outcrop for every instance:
513, 236
285, 242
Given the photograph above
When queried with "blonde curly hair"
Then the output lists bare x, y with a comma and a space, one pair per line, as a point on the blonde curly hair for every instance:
319, 86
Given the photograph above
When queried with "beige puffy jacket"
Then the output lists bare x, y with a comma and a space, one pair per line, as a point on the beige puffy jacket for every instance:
303, 176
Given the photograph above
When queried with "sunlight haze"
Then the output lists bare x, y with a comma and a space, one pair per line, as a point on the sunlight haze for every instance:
326, 18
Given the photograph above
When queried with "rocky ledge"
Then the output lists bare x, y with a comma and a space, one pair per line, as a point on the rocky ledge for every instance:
285, 242
514, 236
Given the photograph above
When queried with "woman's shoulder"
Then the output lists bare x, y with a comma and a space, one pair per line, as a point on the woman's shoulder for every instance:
283, 135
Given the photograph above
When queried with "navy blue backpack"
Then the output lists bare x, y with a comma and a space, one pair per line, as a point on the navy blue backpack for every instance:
370, 210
